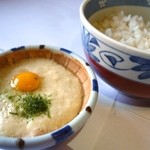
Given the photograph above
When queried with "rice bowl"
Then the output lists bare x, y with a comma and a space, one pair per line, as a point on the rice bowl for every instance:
124, 67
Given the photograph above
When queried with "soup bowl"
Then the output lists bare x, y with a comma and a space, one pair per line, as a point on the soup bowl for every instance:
70, 61
124, 67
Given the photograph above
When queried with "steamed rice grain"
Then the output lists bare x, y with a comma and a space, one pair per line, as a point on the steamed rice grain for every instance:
127, 29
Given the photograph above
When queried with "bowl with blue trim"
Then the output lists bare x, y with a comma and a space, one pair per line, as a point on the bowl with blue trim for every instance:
123, 66
79, 67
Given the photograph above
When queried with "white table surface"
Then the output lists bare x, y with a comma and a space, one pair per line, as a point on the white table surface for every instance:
114, 125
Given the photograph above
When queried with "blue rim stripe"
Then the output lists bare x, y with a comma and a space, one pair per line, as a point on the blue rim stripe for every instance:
65, 50
62, 134
18, 48
95, 85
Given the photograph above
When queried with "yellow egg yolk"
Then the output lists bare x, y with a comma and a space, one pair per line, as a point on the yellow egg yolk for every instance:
26, 81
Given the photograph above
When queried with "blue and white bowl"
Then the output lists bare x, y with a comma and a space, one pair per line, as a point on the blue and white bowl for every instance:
87, 77
123, 67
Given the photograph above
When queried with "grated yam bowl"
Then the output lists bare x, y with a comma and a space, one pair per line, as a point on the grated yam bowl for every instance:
75, 64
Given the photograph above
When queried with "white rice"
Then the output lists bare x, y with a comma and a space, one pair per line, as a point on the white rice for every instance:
128, 29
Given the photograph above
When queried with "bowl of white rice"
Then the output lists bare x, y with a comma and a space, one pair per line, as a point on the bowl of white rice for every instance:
116, 42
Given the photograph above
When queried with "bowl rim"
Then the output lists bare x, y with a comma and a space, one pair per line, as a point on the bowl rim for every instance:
95, 32
76, 123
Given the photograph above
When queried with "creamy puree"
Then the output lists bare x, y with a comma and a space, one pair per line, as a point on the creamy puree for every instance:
63, 86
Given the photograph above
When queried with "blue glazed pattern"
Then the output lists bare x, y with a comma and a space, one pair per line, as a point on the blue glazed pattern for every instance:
62, 134
18, 48
112, 59
144, 67
116, 60
89, 44
65, 50
95, 85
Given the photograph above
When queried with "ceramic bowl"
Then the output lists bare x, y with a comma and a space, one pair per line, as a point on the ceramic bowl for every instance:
75, 64
123, 67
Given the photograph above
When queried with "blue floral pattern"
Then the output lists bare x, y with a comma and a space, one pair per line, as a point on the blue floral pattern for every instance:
102, 3
90, 44
144, 66
115, 59
112, 59
148, 2
95, 5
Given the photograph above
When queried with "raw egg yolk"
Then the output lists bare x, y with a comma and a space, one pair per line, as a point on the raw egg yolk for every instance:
26, 81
